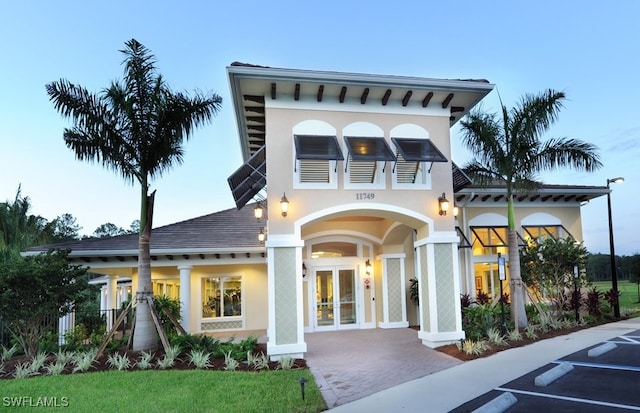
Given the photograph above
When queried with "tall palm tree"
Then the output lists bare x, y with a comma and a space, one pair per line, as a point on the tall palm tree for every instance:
135, 127
509, 149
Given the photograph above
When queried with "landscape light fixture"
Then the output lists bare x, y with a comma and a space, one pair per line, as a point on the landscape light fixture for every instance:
612, 254
284, 205
444, 204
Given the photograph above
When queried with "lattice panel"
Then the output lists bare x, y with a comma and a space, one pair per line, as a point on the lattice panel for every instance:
286, 301
221, 325
424, 286
445, 290
394, 288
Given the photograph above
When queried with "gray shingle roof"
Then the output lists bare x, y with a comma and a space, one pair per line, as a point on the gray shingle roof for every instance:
226, 229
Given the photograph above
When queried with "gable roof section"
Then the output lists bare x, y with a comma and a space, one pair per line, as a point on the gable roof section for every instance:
547, 193
224, 231
252, 85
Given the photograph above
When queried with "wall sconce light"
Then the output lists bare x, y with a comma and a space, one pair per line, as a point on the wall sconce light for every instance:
368, 267
262, 235
304, 270
456, 211
258, 212
284, 205
444, 204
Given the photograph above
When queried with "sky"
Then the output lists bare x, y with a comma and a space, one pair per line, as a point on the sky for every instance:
587, 49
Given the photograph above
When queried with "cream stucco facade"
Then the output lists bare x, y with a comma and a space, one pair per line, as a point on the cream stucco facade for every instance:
363, 161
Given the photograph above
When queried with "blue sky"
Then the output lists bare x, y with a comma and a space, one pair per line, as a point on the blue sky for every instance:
588, 49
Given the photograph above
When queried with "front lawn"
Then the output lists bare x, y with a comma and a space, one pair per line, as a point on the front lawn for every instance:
168, 391
628, 292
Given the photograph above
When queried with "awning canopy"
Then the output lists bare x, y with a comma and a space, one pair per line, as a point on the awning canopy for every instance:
317, 147
369, 149
248, 180
418, 150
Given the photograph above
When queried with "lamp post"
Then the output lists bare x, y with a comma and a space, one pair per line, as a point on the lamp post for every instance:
614, 275
576, 299
502, 276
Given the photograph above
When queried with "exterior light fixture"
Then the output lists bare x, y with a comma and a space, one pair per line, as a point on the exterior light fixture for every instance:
368, 267
284, 205
444, 204
614, 275
258, 212
261, 235
456, 211
304, 270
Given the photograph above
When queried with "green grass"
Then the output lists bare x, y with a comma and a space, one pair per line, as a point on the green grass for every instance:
170, 391
628, 292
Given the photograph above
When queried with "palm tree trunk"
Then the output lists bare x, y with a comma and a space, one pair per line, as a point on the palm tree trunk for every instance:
145, 337
518, 313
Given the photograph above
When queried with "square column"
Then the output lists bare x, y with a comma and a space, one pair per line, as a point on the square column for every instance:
437, 269
286, 318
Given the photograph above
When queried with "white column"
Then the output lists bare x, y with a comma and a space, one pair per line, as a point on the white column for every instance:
112, 287
185, 297
103, 298
65, 323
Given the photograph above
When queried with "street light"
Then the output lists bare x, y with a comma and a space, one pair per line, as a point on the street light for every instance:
614, 275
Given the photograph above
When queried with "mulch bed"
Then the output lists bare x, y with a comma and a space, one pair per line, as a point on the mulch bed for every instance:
181, 363
452, 349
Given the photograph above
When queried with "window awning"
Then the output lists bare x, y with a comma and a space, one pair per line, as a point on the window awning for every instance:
418, 150
369, 149
248, 180
317, 147
412, 151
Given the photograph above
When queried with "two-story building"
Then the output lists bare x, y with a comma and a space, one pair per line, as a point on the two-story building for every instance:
348, 191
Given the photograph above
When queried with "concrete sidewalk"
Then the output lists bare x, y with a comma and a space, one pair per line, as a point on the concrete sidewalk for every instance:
451, 387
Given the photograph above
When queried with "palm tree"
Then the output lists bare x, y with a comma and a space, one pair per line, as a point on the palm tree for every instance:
509, 150
18, 228
135, 127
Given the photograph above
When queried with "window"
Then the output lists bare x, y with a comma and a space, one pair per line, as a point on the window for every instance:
541, 232
491, 240
166, 288
221, 297
334, 249
415, 157
365, 165
316, 159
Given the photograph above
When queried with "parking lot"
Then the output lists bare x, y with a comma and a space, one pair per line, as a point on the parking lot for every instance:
601, 378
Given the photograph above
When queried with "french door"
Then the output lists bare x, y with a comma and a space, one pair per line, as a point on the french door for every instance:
335, 297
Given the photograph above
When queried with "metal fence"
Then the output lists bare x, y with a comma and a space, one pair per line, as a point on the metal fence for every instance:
89, 323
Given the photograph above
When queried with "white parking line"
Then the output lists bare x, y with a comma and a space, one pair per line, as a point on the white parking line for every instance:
571, 399
599, 365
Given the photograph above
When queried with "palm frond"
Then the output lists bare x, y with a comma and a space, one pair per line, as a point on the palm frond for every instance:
570, 153
534, 114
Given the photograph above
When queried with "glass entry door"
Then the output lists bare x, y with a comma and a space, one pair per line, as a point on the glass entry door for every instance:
335, 298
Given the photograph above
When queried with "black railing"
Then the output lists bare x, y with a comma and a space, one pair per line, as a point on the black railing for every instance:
78, 323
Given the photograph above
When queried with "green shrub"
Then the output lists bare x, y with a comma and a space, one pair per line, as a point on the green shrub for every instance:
237, 351
478, 319
172, 305
198, 342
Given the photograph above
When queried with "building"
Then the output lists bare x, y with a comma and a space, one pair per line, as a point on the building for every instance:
353, 178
